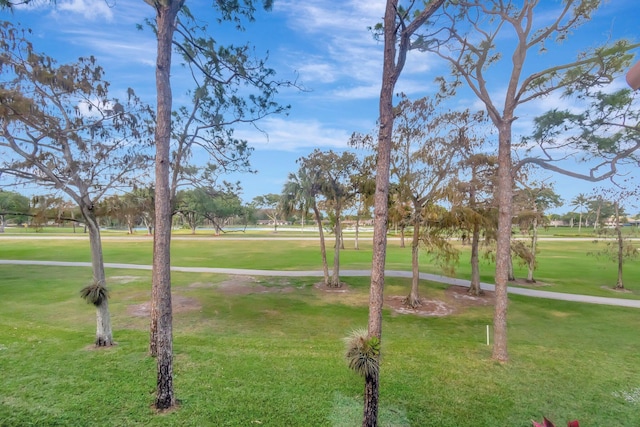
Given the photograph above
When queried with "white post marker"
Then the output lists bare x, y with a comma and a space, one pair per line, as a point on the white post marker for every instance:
487, 334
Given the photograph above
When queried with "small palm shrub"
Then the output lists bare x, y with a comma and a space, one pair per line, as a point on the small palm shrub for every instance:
362, 353
94, 294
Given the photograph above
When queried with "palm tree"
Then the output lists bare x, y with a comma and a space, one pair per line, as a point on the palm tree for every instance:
297, 194
581, 201
300, 191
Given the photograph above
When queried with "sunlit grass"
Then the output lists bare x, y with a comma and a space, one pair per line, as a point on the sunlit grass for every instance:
273, 355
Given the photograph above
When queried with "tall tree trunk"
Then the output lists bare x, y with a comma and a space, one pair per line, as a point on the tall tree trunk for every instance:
474, 286
356, 245
503, 251
335, 276
402, 237
104, 335
511, 276
580, 223
370, 416
323, 249
534, 244
161, 339
619, 283
391, 69
381, 210
413, 300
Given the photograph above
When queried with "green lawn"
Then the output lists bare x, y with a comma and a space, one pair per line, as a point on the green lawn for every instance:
563, 266
272, 355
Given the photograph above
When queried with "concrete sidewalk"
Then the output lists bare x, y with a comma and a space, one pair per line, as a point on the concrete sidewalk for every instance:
349, 273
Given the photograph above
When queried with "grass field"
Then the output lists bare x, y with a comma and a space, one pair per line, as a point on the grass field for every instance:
271, 354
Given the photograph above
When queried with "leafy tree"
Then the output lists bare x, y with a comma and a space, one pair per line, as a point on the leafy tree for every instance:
364, 186
61, 130
224, 68
473, 206
427, 149
297, 194
530, 202
190, 206
307, 185
271, 205
210, 204
621, 249
472, 37
399, 25
12, 206
599, 209
399, 213
335, 180
605, 133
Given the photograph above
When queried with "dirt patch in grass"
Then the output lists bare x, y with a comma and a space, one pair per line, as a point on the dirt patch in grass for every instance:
121, 280
525, 283
618, 290
179, 304
243, 285
456, 299
343, 289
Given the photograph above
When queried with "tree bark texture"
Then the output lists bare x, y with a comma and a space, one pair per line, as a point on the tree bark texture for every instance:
534, 244
413, 300
391, 69
620, 282
474, 287
161, 315
335, 274
381, 210
323, 249
503, 251
371, 393
104, 334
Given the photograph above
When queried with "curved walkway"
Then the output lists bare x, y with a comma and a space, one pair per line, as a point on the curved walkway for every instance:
350, 273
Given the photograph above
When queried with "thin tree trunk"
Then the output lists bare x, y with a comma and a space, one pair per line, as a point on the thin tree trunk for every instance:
580, 223
413, 300
534, 244
474, 286
390, 73
511, 276
323, 249
370, 415
104, 335
503, 251
335, 276
161, 314
356, 245
381, 210
619, 283
402, 245
595, 223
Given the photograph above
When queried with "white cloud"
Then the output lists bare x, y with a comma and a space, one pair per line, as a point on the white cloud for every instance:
347, 54
287, 135
91, 10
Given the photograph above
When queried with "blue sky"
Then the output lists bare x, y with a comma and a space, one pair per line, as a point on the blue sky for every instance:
324, 45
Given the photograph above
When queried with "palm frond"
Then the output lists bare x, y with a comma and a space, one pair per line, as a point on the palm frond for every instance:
94, 294
362, 353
